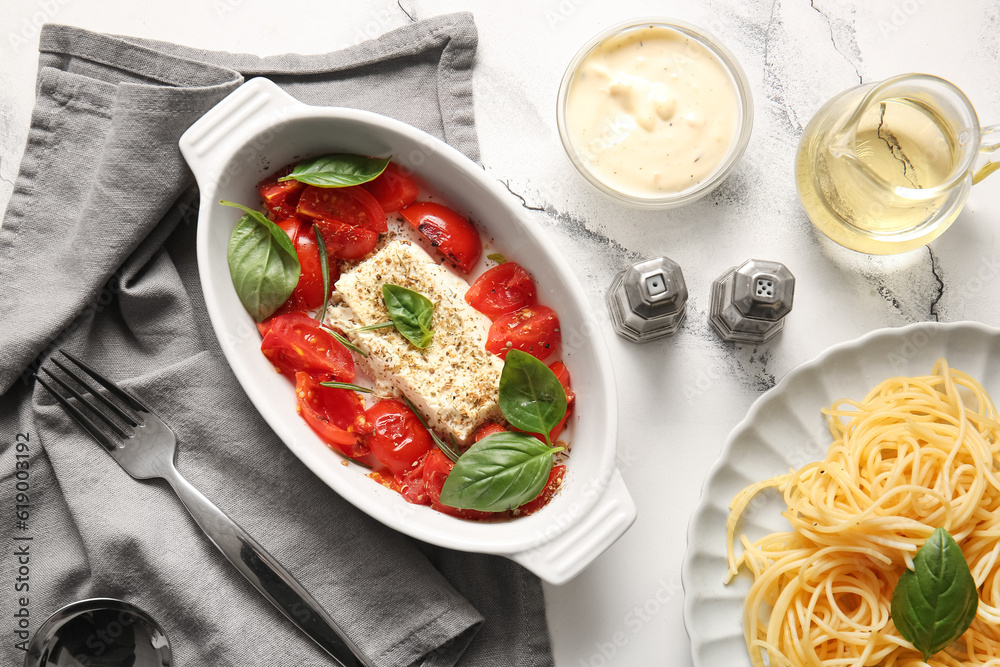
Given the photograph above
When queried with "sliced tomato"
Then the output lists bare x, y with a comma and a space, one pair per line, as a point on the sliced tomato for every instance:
280, 197
398, 439
487, 429
334, 414
308, 293
503, 289
534, 330
392, 189
435, 471
411, 484
296, 343
346, 241
352, 205
542, 499
447, 231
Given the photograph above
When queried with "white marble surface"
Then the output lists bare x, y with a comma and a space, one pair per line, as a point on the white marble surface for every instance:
679, 397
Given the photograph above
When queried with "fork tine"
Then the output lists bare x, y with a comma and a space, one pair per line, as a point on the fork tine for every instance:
78, 416
124, 416
128, 398
80, 397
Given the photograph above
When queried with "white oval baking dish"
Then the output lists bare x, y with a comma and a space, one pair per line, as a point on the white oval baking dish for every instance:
259, 128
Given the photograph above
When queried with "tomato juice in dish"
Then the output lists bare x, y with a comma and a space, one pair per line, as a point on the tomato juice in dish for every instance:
442, 390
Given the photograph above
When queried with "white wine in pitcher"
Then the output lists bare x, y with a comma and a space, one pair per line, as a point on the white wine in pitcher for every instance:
884, 168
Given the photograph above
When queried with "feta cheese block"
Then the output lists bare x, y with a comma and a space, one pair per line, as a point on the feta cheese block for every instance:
454, 381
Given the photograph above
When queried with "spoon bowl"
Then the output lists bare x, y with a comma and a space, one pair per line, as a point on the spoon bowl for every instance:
99, 632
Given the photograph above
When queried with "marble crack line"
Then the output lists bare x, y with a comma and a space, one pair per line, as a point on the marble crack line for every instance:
6, 180
829, 24
773, 79
524, 202
940, 288
399, 3
579, 226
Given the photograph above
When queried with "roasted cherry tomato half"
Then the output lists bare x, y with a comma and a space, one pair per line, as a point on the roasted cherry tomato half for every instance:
543, 498
534, 330
447, 231
503, 289
308, 293
334, 414
486, 430
280, 197
436, 467
397, 439
295, 342
392, 189
346, 241
351, 205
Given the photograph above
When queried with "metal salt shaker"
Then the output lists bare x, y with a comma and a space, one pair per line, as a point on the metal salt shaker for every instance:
750, 301
647, 300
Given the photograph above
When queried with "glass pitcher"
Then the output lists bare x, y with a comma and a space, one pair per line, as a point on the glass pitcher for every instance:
886, 167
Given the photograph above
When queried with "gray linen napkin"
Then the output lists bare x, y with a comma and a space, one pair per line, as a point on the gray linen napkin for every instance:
97, 256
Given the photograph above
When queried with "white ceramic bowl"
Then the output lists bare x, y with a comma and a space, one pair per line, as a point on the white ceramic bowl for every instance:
258, 129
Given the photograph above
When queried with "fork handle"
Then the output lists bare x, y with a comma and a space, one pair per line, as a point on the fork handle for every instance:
268, 576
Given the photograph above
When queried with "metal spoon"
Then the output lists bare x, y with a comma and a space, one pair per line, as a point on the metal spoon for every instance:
100, 632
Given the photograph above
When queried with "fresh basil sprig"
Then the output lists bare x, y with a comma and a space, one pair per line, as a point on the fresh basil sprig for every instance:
411, 313
935, 602
324, 266
338, 170
262, 263
500, 472
531, 396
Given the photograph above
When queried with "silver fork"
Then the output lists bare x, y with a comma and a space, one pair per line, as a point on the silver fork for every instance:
146, 449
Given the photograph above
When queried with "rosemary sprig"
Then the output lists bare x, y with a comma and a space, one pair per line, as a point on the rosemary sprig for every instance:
451, 451
348, 385
324, 263
343, 341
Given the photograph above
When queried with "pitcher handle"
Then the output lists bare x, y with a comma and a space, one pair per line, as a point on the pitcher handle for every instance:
990, 143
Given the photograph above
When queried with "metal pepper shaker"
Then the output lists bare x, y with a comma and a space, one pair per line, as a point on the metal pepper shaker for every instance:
750, 301
647, 300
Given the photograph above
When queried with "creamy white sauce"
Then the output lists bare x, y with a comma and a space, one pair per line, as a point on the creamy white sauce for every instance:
652, 112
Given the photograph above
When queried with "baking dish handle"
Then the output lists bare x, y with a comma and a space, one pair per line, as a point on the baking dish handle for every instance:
563, 557
210, 143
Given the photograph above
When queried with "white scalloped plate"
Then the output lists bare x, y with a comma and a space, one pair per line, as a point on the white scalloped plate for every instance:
784, 428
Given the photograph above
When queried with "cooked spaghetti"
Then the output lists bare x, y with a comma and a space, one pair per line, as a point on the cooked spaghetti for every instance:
916, 454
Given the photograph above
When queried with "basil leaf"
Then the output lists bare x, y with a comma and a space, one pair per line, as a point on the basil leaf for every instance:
262, 263
531, 396
497, 257
501, 471
411, 313
324, 267
338, 170
935, 602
